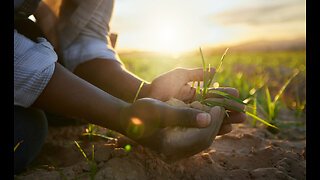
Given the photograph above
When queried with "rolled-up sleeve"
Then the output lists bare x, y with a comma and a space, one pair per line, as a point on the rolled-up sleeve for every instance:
34, 65
84, 33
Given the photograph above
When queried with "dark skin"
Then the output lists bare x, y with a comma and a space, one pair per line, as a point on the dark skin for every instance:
100, 91
168, 85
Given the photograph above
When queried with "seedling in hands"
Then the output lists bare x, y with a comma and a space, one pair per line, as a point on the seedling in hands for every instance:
207, 82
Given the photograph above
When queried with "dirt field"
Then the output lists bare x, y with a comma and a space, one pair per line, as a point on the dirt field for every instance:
245, 153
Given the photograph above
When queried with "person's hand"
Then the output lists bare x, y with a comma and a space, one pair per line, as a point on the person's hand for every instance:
174, 84
146, 116
235, 117
175, 132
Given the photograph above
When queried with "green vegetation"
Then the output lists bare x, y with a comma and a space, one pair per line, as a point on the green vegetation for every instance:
92, 164
17, 145
207, 84
251, 73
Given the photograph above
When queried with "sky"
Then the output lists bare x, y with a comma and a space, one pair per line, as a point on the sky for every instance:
179, 25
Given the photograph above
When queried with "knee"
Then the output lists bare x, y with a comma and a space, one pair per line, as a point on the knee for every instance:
30, 127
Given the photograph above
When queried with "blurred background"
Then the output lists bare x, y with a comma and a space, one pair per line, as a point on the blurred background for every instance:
175, 25
266, 41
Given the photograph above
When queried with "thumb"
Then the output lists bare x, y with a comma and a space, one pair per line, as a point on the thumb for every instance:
217, 115
187, 117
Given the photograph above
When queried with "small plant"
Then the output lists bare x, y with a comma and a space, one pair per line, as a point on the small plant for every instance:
99, 135
17, 145
56, 167
254, 111
271, 108
92, 164
91, 131
135, 98
299, 106
207, 82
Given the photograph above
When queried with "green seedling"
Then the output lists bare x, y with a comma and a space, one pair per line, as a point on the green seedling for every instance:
271, 108
56, 167
92, 164
299, 106
99, 135
254, 111
140, 87
17, 145
207, 82
90, 131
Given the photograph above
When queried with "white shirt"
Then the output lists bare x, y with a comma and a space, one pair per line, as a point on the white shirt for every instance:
83, 36
34, 64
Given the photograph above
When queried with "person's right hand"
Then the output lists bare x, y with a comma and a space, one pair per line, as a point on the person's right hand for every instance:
146, 116
174, 131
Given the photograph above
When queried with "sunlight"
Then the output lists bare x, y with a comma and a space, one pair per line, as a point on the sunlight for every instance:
176, 26
167, 35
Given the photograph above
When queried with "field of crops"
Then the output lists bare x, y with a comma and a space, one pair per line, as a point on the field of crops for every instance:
252, 73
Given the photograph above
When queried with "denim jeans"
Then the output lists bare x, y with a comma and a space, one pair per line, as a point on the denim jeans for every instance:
30, 127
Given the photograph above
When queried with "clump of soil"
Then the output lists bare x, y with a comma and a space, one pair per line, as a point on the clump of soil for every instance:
244, 153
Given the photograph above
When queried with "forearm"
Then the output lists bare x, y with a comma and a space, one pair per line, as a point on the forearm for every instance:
69, 95
112, 77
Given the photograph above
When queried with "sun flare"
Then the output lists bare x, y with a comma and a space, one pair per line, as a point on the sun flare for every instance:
168, 35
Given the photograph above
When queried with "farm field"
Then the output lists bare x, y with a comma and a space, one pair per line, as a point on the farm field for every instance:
251, 151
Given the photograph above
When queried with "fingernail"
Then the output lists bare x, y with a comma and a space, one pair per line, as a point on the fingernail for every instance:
203, 119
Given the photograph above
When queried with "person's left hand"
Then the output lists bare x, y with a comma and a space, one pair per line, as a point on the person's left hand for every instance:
174, 84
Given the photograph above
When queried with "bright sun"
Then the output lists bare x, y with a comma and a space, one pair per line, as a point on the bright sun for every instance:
167, 35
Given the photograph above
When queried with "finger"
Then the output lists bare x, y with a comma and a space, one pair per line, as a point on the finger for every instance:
225, 128
228, 102
186, 117
231, 91
194, 74
235, 117
217, 118
186, 93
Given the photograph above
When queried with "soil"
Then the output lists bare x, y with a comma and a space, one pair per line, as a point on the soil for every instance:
244, 153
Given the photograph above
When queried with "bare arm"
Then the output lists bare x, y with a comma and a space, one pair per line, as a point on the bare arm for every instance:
69, 95
112, 77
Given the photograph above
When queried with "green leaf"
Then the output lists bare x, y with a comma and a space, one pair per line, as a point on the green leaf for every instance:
214, 73
135, 98
261, 120
193, 84
215, 103
254, 111
284, 87
227, 96
17, 145
205, 80
270, 105
222, 58
98, 135
84, 154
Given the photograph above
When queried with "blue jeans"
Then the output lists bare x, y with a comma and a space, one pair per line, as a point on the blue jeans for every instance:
30, 127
